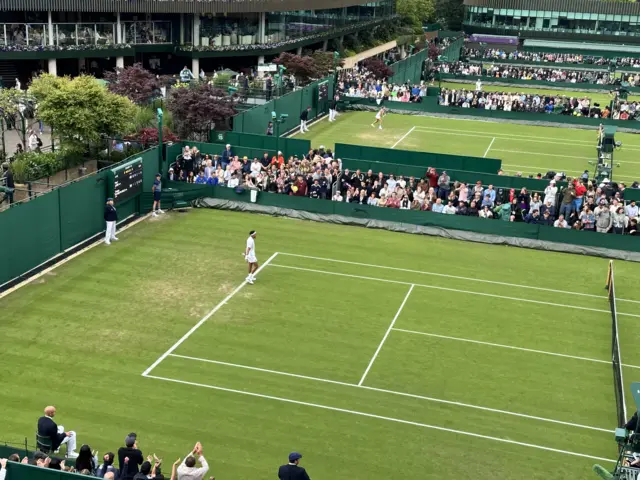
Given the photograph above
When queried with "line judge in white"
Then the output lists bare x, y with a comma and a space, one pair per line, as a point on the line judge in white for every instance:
250, 257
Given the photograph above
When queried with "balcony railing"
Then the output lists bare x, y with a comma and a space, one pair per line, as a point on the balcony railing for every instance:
83, 34
24, 34
146, 32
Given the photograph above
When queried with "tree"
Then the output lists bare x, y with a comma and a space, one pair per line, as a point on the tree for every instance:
198, 108
416, 12
434, 52
378, 68
137, 84
303, 68
450, 13
324, 62
149, 136
80, 110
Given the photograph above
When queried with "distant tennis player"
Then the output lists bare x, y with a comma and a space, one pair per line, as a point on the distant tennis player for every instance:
250, 257
378, 121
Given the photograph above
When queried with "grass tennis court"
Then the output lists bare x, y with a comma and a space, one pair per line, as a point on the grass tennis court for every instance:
522, 148
377, 355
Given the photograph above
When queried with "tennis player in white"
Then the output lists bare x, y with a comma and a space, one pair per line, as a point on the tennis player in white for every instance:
378, 121
250, 257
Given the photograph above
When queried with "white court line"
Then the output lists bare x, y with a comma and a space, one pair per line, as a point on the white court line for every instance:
446, 289
508, 136
404, 136
204, 319
542, 154
380, 417
456, 277
458, 339
393, 392
393, 322
489, 147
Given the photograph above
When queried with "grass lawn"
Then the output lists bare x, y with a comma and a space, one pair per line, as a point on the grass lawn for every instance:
602, 98
377, 355
522, 148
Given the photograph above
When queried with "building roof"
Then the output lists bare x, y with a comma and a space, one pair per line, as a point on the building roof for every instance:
173, 6
582, 6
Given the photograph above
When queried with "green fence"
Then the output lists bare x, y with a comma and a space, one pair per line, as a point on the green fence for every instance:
409, 69
46, 226
418, 159
498, 181
430, 105
256, 120
288, 146
428, 219
516, 82
452, 52
32, 472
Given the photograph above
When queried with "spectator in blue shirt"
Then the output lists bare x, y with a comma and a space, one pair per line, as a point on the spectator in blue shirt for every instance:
227, 156
200, 179
486, 201
491, 192
212, 180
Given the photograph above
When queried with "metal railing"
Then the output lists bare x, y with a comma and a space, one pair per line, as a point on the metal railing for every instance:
69, 34
146, 32
24, 34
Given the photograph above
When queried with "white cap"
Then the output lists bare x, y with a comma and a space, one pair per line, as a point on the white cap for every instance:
279, 152
228, 144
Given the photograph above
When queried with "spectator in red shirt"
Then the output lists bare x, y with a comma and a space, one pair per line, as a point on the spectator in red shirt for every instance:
278, 159
580, 192
299, 188
432, 177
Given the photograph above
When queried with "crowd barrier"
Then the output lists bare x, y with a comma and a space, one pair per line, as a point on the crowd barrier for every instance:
256, 120
430, 105
35, 231
498, 181
474, 225
409, 69
516, 82
289, 146
419, 159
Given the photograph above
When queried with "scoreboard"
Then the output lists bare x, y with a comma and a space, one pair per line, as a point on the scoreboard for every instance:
126, 181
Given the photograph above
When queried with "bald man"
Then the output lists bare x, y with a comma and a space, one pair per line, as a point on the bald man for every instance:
47, 427
109, 476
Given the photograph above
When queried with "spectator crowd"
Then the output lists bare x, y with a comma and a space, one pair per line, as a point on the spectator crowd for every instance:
128, 463
519, 72
583, 205
536, 103
544, 57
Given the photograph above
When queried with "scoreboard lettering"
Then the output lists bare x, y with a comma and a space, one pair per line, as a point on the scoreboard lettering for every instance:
126, 181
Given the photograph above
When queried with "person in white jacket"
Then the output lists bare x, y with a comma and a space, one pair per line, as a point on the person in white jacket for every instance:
188, 470
550, 193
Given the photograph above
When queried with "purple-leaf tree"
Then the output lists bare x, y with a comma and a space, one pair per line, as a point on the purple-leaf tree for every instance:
135, 83
198, 108
378, 68
303, 68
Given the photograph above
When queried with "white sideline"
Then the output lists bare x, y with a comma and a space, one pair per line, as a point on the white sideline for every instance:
486, 152
394, 392
70, 257
380, 417
456, 277
506, 136
446, 289
204, 319
522, 349
543, 154
404, 136
393, 322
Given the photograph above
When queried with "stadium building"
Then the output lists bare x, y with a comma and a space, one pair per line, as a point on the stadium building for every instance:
72, 36
567, 20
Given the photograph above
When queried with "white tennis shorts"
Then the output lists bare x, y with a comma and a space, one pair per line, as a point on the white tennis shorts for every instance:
252, 259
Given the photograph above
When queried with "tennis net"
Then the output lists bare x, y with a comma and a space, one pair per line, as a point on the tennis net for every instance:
618, 382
